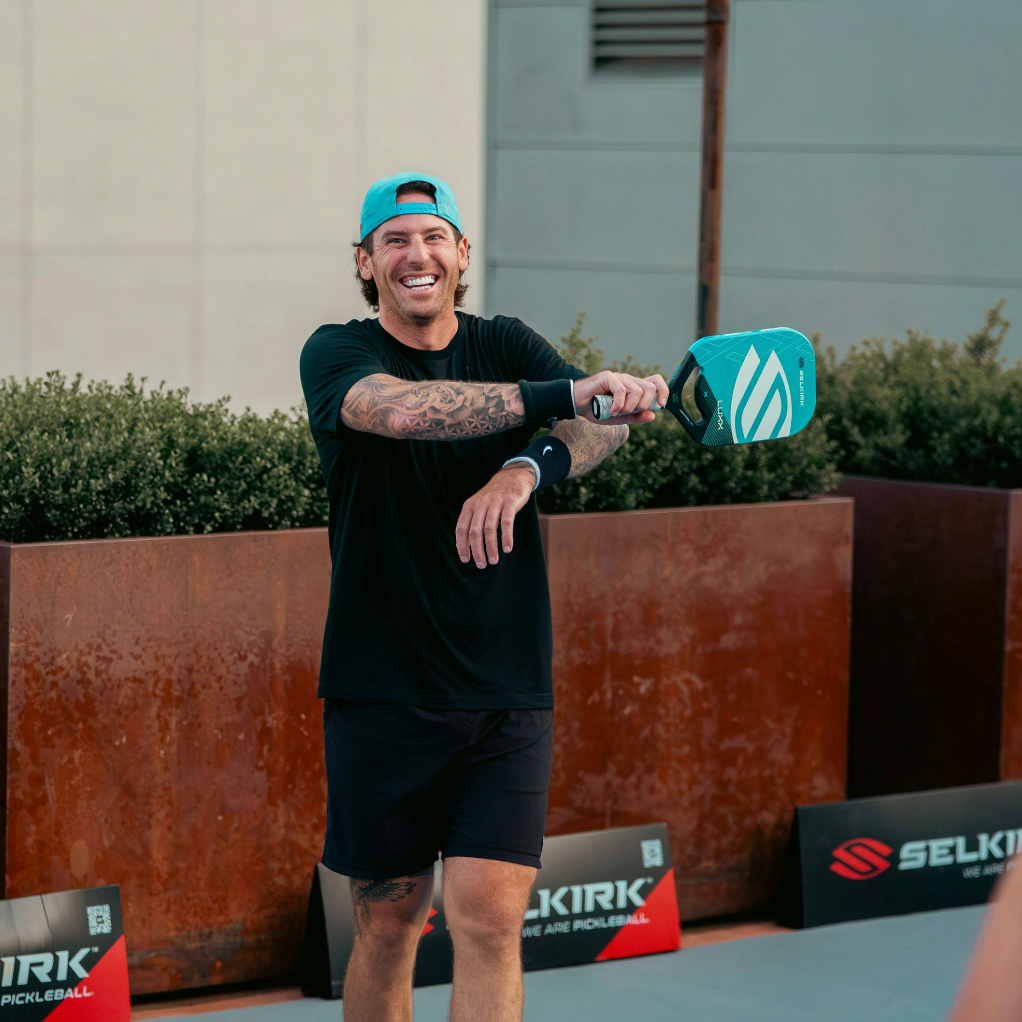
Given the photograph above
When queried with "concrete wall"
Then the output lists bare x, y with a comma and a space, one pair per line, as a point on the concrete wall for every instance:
180, 180
873, 174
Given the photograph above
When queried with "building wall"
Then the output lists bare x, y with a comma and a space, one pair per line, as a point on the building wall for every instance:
180, 180
873, 175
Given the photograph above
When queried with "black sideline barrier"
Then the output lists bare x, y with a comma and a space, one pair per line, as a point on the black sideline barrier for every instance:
600, 895
895, 854
64, 954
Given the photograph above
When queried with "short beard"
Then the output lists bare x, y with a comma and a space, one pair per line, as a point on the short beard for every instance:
421, 319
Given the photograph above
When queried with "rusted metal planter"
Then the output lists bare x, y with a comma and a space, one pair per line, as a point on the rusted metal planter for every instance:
701, 673
936, 662
163, 734
163, 731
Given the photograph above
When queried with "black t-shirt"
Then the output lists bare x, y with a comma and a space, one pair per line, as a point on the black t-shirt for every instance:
408, 621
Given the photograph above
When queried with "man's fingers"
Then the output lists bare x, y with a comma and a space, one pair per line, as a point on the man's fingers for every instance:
490, 532
649, 394
616, 390
663, 392
475, 537
461, 531
635, 394
507, 526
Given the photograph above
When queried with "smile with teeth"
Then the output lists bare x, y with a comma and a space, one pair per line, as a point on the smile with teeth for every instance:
423, 283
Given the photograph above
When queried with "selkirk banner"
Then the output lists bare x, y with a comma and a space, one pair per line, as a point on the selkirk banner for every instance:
901, 853
64, 958
600, 895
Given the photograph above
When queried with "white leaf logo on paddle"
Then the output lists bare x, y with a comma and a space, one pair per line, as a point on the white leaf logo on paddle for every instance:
761, 399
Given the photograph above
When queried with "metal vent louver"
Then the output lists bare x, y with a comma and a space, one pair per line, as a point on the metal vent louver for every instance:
647, 34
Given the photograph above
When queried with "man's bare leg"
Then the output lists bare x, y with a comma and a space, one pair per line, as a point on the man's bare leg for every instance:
484, 902
389, 918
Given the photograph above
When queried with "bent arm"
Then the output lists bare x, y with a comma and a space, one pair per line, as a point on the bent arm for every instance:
588, 444
431, 409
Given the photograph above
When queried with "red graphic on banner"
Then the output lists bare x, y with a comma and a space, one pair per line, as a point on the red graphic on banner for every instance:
861, 858
655, 926
429, 927
103, 996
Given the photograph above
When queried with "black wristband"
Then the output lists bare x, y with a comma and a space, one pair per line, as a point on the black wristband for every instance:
549, 456
546, 401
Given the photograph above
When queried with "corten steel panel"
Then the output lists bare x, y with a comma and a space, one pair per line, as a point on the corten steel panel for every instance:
5, 579
929, 635
1011, 724
164, 735
701, 678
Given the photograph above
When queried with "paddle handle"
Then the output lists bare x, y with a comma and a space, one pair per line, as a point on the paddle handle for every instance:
602, 403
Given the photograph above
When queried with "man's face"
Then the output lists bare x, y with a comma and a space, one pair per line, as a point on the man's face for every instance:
415, 262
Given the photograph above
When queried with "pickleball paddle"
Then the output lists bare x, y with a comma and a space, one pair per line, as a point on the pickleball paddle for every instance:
751, 386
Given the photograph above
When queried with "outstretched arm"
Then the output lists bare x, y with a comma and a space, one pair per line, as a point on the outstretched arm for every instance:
431, 409
454, 410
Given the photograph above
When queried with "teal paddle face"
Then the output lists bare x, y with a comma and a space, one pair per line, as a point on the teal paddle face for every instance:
752, 386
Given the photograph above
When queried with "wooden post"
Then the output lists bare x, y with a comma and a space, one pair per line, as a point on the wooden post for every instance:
711, 184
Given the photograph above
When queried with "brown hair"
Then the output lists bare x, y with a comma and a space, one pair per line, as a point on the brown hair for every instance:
370, 292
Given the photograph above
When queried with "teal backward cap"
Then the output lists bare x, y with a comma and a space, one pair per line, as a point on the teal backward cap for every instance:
381, 203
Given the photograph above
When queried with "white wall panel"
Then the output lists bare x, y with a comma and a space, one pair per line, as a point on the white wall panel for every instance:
13, 361
108, 315
112, 94
12, 124
278, 123
259, 311
426, 105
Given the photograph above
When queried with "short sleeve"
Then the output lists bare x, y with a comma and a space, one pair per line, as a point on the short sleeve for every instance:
333, 359
534, 358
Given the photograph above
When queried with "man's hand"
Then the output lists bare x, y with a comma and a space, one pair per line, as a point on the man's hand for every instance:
632, 397
496, 503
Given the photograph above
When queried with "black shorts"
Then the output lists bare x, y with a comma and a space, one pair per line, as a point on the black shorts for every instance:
405, 782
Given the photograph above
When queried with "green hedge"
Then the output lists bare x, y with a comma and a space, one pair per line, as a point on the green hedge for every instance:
85, 462
928, 410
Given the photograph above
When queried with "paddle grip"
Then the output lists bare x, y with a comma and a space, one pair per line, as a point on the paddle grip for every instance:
602, 403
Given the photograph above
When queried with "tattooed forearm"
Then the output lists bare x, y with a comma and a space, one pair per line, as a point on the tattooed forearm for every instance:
365, 892
588, 444
431, 409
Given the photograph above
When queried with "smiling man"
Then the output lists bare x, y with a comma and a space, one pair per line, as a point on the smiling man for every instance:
435, 674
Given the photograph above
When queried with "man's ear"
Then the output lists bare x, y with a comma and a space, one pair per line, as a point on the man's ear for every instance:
365, 263
463, 254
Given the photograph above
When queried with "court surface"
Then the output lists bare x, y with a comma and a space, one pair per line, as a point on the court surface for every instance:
904, 969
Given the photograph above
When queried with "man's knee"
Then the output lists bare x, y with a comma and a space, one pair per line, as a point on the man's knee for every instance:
490, 933
389, 939
484, 908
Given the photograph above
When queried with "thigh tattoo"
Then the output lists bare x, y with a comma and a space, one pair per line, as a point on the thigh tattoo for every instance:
365, 892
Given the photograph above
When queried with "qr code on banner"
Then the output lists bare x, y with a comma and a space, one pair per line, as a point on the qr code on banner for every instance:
99, 919
652, 853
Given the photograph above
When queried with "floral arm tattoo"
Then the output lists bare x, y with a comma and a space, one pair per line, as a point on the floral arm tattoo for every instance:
431, 409
588, 444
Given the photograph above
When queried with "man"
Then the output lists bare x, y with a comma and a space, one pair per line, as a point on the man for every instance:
435, 674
